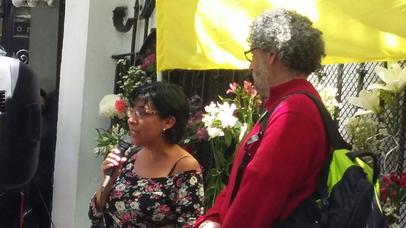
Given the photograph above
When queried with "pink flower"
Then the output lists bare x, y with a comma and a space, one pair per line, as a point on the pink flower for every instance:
117, 194
195, 119
202, 134
395, 178
150, 188
120, 105
233, 87
249, 88
403, 181
126, 217
198, 115
164, 209
386, 180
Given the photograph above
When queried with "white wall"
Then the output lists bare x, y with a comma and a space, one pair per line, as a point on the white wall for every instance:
87, 74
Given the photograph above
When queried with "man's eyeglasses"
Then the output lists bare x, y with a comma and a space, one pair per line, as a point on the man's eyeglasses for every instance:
248, 54
140, 112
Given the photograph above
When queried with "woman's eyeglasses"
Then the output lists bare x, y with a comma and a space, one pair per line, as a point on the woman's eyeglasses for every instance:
140, 112
248, 54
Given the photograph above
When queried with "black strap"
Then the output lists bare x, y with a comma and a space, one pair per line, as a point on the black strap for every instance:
333, 135
336, 142
248, 154
263, 120
174, 165
360, 154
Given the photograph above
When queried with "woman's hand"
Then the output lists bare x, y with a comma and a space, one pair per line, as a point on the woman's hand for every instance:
113, 161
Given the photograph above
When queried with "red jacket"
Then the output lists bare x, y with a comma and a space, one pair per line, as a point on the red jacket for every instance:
285, 167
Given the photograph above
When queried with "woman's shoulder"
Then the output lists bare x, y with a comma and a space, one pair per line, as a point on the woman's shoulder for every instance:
185, 162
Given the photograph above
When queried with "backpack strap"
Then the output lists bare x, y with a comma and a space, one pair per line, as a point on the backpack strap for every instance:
248, 154
360, 154
263, 120
333, 135
336, 142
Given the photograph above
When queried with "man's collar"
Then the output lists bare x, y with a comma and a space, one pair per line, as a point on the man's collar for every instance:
281, 90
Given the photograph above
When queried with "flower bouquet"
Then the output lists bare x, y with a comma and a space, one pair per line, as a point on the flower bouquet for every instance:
393, 193
222, 125
111, 106
223, 129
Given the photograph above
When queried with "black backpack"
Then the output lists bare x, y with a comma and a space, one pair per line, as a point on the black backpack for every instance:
347, 193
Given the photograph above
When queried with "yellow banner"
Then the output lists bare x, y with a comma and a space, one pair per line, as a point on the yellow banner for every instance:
211, 34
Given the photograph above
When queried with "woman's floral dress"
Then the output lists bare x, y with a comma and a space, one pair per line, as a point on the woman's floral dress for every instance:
176, 200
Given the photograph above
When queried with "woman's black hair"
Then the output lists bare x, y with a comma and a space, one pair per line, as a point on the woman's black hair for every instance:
169, 100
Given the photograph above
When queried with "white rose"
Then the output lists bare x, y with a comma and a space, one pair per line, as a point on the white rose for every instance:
107, 106
119, 205
193, 181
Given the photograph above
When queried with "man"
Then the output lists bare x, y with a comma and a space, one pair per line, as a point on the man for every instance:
285, 166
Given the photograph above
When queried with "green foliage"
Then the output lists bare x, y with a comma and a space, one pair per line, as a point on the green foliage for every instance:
108, 139
362, 129
131, 78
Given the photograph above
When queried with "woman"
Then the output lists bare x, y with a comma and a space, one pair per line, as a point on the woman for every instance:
161, 185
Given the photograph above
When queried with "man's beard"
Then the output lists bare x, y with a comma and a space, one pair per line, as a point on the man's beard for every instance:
262, 83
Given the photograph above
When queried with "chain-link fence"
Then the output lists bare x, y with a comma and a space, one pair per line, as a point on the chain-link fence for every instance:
349, 79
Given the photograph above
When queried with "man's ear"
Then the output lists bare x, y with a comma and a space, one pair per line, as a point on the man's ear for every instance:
272, 58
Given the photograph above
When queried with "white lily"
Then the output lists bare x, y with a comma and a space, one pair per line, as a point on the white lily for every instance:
214, 132
243, 130
211, 108
366, 100
208, 119
394, 78
361, 112
218, 118
226, 114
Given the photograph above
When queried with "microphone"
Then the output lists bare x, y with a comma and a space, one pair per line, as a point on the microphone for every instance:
123, 144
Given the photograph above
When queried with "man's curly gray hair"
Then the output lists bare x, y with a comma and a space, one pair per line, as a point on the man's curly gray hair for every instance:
291, 36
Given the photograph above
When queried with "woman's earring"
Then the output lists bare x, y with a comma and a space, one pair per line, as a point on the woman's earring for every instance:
163, 130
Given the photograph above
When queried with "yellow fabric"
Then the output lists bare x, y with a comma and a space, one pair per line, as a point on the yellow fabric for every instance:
211, 34
339, 164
